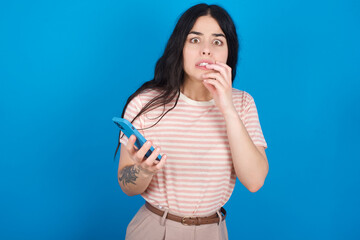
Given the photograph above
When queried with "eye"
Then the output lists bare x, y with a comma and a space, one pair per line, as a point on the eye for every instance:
217, 42
194, 40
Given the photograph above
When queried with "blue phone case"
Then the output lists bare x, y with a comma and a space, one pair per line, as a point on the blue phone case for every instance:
128, 129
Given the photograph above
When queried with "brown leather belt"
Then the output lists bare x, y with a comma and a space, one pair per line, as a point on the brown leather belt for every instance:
188, 220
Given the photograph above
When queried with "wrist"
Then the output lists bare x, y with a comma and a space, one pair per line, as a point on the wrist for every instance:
230, 113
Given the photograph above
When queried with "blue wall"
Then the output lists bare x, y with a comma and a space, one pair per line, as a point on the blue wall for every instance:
67, 67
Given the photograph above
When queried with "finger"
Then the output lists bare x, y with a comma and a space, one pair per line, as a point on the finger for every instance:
217, 77
221, 69
224, 69
210, 87
161, 163
216, 84
140, 154
157, 159
229, 70
149, 162
130, 146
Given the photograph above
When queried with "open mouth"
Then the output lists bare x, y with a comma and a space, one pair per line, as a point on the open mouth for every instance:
203, 64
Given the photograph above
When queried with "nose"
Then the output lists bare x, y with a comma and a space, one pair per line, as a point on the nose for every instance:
205, 52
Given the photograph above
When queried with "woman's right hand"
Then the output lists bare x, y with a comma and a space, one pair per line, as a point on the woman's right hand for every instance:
149, 165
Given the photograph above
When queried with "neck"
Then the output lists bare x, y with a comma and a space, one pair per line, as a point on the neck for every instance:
195, 90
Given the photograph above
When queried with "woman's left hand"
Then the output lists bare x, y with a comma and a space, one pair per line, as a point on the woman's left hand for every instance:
219, 84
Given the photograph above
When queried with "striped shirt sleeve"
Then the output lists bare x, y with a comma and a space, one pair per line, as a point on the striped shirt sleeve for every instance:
251, 121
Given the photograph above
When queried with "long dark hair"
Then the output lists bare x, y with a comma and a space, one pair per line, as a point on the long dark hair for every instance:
169, 71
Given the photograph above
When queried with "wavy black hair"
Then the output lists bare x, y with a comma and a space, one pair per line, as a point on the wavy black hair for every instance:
169, 71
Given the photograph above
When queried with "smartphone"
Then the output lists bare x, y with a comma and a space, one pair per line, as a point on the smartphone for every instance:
128, 129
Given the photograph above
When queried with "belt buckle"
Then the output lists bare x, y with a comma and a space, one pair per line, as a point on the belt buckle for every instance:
183, 219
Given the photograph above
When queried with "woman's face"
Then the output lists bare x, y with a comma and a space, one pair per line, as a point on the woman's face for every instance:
205, 44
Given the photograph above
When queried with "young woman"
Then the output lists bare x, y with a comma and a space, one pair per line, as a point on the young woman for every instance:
207, 132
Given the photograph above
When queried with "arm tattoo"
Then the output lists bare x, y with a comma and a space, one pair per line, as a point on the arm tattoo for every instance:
129, 175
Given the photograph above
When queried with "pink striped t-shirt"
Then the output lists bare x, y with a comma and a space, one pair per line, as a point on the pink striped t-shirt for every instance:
198, 177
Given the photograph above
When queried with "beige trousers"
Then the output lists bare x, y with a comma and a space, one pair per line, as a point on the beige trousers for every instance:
148, 226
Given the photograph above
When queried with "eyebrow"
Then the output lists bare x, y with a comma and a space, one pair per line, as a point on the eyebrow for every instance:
201, 34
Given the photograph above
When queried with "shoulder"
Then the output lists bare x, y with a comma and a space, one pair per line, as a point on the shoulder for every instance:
138, 102
144, 97
148, 94
241, 97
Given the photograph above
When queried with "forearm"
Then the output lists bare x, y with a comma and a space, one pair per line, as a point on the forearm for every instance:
251, 167
134, 180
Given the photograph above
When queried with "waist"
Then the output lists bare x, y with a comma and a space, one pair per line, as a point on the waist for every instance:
185, 220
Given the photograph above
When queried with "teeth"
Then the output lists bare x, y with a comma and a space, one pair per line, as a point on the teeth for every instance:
203, 64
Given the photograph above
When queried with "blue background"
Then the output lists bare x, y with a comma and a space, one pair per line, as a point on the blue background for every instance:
67, 67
